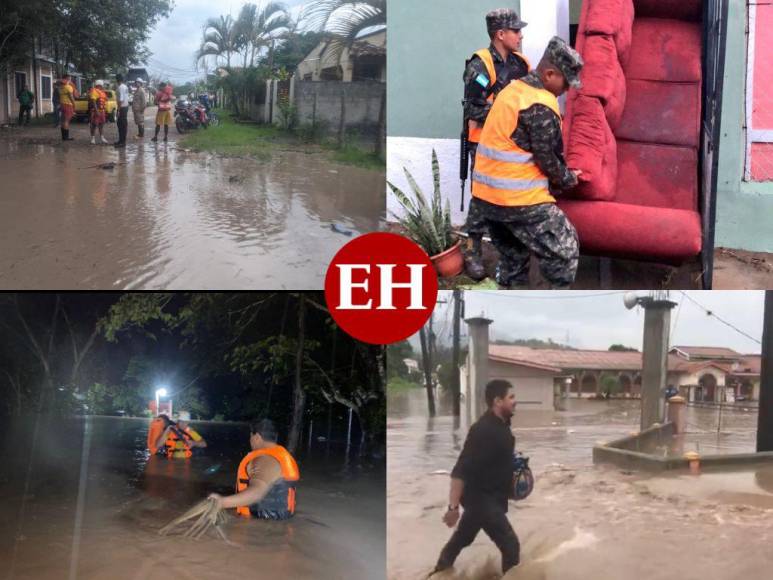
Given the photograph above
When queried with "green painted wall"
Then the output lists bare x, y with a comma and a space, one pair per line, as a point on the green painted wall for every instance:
429, 41
744, 209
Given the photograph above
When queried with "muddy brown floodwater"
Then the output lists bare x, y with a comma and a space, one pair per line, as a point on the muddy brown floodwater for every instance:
166, 218
581, 521
89, 503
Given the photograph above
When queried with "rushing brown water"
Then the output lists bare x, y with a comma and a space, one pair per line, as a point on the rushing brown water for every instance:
166, 218
583, 521
89, 502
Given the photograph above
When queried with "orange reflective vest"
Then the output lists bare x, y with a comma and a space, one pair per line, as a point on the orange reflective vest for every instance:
504, 173
474, 130
281, 497
177, 447
156, 428
100, 99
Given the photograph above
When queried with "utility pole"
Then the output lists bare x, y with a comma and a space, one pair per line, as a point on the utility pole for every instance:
765, 415
426, 363
657, 322
455, 387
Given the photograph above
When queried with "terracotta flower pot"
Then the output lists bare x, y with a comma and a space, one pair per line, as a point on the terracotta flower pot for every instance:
449, 263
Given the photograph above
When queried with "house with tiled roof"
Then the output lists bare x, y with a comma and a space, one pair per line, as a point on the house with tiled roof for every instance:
543, 377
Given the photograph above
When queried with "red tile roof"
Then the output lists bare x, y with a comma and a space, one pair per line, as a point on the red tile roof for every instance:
708, 351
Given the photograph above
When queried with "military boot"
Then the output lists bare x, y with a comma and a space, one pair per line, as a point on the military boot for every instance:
473, 261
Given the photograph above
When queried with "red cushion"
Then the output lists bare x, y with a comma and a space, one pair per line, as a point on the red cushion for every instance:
591, 147
656, 112
634, 231
613, 18
657, 175
602, 76
665, 50
678, 9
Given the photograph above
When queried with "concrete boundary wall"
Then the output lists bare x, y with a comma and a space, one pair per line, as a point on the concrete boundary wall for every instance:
625, 453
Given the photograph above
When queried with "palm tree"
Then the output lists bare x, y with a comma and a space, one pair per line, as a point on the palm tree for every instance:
345, 20
262, 26
219, 39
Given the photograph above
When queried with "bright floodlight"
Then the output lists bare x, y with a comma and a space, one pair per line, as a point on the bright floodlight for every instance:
161, 392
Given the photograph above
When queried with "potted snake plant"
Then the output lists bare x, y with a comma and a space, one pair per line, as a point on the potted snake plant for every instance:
429, 224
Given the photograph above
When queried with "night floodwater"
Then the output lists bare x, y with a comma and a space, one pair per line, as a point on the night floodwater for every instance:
581, 521
88, 505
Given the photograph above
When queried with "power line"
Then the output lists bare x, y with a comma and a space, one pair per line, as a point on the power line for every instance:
725, 322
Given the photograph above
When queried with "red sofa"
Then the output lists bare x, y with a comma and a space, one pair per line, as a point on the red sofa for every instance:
634, 130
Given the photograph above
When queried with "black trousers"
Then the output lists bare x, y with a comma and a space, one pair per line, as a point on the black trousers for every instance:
123, 123
24, 110
492, 520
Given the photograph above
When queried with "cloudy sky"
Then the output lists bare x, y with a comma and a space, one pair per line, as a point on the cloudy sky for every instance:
175, 39
595, 320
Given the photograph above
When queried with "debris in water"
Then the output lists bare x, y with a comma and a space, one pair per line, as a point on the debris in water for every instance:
212, 469
209, 516
339, 230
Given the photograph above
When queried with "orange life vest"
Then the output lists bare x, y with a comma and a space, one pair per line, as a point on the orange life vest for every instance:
290, 475
177, 447
474, 131
156, 428
504, 173
100, 99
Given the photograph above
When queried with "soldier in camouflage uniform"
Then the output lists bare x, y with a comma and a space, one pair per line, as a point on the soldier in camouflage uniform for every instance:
541, 228
504, 29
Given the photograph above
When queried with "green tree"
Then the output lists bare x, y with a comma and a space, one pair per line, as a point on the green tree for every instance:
295, 48
259, 27
396, 353
344, 20
220, 39
621, 348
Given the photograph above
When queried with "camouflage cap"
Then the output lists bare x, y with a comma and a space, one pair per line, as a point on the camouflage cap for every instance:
565, 59
503, 18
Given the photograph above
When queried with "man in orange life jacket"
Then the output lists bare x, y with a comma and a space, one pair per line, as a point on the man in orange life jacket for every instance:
519, 166
179, 439
488, 71
266, 478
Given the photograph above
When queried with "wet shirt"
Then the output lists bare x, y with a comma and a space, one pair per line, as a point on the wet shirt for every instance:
164, 101
539, 131
476, 107
486, 463
67, 94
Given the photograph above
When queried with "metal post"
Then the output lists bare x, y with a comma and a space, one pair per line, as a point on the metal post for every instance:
349, 432
657, 317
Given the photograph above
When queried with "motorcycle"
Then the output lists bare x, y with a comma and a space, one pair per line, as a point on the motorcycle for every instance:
189, 116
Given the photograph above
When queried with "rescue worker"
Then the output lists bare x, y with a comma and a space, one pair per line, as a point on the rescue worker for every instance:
164, 114
139, 102
97, 111
67, 95
519, 166
482, 482
488, 71
266, 478
178, 438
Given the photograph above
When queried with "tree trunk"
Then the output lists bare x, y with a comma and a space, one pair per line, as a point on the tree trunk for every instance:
381, 132
299, 395
342, 121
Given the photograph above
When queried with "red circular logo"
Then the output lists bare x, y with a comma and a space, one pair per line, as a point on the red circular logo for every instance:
381, 288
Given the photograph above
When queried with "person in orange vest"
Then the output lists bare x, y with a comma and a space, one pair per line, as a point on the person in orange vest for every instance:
266, 478
67, 95
178, 438
97, 111
519, 166
486, 73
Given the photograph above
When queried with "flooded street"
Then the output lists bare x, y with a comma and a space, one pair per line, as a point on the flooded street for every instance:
166, 218
90, 503
583, 521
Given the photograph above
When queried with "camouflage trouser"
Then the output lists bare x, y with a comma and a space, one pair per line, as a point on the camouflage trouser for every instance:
475, 225
542, 229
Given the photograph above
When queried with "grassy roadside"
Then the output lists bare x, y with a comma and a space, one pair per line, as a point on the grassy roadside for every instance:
246, 139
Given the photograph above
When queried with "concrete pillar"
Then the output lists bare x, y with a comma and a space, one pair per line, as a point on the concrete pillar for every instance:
477, 330
756, 391
677, 413
657, 323
765, 416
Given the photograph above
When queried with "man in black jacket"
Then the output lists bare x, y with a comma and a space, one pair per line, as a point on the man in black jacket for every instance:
482, 482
